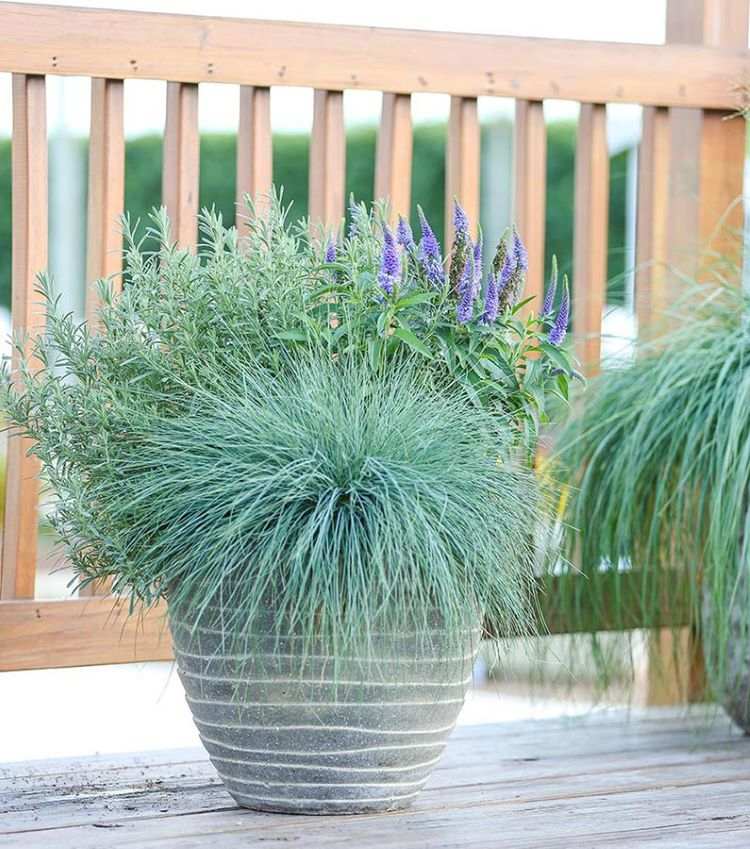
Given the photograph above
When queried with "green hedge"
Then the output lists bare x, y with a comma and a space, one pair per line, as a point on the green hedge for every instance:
290, 161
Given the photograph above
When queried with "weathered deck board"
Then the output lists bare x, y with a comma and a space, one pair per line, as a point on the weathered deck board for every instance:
654, 779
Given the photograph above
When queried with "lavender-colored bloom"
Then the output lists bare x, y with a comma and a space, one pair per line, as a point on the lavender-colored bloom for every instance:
465, 307
404, 235
491, 300
478, 266
330, 254
520, 252
429, 253
390, 263
560, 327
460, 220
549, 298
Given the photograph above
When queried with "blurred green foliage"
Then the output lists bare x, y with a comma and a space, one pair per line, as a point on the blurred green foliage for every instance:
290, 162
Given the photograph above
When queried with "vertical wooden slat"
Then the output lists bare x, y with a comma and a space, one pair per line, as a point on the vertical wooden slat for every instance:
394, 154
651, 295
590, 233
462, 164
106, 200
254, 148
106, 187
181, 162
530, 184
29, 190
327, 159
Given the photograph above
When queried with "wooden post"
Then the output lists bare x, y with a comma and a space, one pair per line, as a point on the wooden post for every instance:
105, 206
29, 191
394, 154
590, 233
530, 191
707, 148
328, 159
652, 220
106, 188
462, 164
254, 148
181, 162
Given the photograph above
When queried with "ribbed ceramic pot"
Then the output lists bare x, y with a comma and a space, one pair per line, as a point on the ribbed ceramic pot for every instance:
291, 729
733, 690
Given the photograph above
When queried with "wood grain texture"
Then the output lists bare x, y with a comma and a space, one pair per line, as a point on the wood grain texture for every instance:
530, 191
652, 779
88, 42
590, 234
76, 632
106, 198
707, 150
462, 164
30, 208
254, 148
327, 160
79, 632
393, 155
181, 162
652, 222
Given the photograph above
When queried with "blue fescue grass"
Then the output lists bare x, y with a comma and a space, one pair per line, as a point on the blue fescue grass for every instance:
342, 499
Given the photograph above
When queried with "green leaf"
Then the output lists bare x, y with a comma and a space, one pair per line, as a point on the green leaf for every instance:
413, 341
418, 298
293, 335
557, 356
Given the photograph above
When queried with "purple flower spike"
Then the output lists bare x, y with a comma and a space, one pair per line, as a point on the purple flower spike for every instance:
390, 264
478, 266
549, 298
560, 327
429, 253
491, 300
465, 308
330, 255
460, 220
404, 235
520, 252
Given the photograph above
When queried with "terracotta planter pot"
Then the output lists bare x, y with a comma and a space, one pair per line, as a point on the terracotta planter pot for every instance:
291, 729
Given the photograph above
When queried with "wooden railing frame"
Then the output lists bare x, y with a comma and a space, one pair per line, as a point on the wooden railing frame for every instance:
688, 88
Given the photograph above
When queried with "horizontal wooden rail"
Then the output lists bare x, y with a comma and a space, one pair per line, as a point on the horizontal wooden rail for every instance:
79, 632
84, 632
116, 44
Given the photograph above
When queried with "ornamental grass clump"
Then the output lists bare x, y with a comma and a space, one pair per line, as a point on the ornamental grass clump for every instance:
658, 461
345, 501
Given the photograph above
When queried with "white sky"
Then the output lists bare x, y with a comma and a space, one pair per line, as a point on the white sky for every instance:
605, 20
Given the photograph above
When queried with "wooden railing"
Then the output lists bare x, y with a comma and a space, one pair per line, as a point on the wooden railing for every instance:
690, 170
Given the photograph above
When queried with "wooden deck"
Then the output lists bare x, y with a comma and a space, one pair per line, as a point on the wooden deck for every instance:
655, 779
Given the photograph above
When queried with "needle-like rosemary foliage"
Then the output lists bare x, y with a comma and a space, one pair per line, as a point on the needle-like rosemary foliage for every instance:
658, 461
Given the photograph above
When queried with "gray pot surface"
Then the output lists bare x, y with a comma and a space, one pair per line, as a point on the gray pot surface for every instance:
290, 729
732, 689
